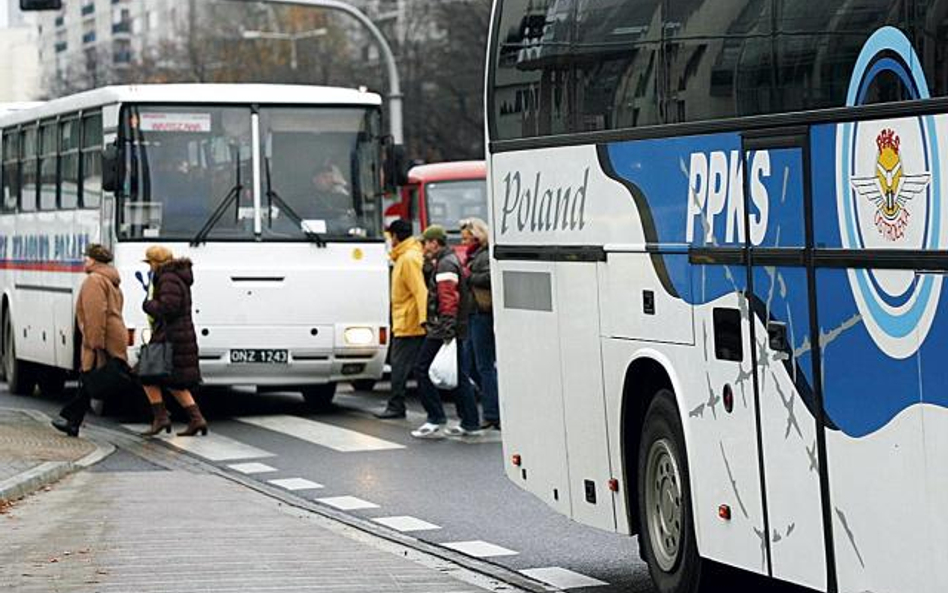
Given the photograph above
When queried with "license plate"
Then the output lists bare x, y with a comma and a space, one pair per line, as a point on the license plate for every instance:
257, 356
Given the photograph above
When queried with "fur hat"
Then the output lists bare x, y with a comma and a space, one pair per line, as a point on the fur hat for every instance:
99, 253
158, 254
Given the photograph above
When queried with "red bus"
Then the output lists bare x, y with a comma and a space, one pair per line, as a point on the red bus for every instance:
444, 194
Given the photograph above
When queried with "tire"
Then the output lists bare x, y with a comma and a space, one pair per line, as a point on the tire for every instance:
51, 381
666, 534
21, 375
319, 397
363, 384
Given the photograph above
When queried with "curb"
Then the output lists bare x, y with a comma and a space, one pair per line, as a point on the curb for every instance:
51, 471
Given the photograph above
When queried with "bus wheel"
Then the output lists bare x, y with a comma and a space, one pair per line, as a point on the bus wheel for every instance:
363, 384
51, 381
667, 535
21, 377
319, 397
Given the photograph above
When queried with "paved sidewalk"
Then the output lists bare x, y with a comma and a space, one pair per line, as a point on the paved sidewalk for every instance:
174, 530
34, 454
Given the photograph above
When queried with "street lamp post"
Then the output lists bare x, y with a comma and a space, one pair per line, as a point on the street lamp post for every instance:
394, 92
291, 37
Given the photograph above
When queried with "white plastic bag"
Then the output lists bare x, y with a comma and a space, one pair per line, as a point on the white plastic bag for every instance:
444, 368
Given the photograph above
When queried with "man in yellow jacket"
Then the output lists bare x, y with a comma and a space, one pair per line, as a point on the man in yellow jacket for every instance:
409, 312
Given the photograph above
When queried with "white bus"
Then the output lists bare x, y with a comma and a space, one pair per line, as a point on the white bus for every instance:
719, 246
274, 192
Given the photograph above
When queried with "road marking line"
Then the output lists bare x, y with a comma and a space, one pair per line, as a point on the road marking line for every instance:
214, 447
406, 523
320, 433
252, 468
480, 549
347, 503
562, 578
295, 484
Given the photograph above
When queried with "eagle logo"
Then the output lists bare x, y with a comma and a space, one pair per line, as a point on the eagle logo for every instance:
891, 189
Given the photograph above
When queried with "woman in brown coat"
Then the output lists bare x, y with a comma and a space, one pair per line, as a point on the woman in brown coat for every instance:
104, 336
169, 308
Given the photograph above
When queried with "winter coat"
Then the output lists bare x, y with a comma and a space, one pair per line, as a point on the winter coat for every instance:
448, 297
479, 282
409, 293
170, 307
99, 316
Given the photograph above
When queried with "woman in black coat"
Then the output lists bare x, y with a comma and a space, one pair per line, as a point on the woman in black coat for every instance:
169, 309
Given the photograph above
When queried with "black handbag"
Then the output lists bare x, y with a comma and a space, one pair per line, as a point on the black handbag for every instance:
155, 362
109, 380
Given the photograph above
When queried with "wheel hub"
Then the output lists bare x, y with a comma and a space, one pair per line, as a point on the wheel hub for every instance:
663, 504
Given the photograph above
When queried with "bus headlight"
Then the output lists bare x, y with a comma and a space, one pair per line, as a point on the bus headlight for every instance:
359, 336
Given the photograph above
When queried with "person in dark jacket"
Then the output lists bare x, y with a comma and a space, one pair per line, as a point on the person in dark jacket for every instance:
169, 308
446, 321
481, 321
104, 336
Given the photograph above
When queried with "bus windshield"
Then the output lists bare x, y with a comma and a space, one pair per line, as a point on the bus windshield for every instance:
181, 163
449, 202
185, 165
321, 172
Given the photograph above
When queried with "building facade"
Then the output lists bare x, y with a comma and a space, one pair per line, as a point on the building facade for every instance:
91, 42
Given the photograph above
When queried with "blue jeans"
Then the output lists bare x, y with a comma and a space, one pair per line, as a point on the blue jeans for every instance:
431, 396
481, 327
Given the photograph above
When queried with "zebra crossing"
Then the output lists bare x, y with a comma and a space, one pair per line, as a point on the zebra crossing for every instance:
254, 461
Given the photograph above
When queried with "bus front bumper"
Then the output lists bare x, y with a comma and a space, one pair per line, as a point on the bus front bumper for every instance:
301, 369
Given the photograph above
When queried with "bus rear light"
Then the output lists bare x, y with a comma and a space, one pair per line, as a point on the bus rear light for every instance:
383, 336
724, 512
131, 336
614, 485
515, 459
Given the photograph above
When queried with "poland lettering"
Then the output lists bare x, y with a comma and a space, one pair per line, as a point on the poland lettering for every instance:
536, 208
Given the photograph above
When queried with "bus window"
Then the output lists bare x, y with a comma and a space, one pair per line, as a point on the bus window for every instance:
47, 166
451, 201
91, 190
315, 162
69, 164
11, 170
181, 164
28, 168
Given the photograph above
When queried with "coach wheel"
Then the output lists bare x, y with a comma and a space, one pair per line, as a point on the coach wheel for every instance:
319, 397
363, 384
667, 536
51, 381
20, 374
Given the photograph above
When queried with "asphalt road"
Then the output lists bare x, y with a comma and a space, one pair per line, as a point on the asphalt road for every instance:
456, 485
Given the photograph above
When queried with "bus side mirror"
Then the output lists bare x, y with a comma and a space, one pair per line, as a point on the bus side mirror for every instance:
110, 168
396, 169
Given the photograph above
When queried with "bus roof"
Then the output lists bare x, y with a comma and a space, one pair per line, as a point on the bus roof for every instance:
451, 171
196, 93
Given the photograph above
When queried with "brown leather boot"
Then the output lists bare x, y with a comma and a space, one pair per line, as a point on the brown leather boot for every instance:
196, 422
160, 420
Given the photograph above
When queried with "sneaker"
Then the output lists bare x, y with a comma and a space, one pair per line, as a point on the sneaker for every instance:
429, 430
458, 431
389, 413
488, 424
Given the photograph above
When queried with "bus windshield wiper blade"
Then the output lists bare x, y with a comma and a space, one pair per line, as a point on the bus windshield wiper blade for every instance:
274, 197
233, 196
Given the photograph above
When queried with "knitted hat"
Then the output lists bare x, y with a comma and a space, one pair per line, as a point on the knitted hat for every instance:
99, 253
435, 232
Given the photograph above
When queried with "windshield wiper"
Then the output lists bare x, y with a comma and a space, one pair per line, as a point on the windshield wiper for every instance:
233, 196
273, 196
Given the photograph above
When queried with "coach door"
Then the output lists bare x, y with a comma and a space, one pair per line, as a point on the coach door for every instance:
788, 410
